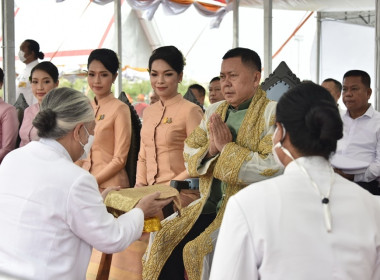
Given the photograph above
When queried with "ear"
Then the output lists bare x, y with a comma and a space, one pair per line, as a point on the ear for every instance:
76, 131
114, 77
369, 92
57, 84
256, 78
281, 132
180, 77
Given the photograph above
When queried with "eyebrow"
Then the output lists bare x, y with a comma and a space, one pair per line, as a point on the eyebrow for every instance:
44, 78
169, 70
92, 71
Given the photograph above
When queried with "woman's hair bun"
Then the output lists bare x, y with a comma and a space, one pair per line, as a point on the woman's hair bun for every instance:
321, 121
45, 122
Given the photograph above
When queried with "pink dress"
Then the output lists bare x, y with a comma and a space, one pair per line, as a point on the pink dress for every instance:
27, 131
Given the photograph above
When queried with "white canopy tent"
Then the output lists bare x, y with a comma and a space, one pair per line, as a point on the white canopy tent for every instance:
151, 38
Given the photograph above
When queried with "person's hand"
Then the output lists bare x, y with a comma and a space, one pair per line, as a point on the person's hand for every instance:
212, 150
150, 204
221, 134
107, 190
345, 175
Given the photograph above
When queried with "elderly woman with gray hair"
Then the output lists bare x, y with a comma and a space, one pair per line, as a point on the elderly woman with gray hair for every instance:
53, 214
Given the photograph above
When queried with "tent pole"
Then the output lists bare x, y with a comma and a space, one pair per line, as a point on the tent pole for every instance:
117, 11
267, 38
318, 49
377, 55
9, 51
236, 24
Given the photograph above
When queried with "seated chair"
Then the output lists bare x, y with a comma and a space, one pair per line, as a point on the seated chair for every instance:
280, 81
130, 167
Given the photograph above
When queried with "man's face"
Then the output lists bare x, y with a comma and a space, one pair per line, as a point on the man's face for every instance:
334, 91
238, 81
355, 94
215, 92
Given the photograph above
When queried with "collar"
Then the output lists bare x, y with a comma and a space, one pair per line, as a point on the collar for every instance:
242, 106
369, 113
104, 100
178, 97
31, 64
55, 145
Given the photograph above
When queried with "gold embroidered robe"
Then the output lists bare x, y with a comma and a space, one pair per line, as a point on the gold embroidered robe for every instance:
247, 160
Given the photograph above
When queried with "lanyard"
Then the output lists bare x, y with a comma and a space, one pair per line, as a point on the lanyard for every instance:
324, 198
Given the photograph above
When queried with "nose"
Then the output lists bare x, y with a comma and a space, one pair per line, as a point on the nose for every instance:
347, 92
160, 79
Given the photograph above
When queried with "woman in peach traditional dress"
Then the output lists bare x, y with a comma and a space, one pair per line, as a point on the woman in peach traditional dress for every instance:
166, 123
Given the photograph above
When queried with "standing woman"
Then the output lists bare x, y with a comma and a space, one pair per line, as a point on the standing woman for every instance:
43, 78
29, 54
166, 123
113, 123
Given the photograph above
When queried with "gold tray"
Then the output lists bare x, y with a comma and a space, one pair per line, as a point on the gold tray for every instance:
124, 200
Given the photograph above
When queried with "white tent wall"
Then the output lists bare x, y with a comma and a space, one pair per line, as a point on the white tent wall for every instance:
345, 47
203, 47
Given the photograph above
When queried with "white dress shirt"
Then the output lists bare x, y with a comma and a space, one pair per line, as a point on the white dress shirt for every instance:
52, 214
23, 84
361, 141
275, 229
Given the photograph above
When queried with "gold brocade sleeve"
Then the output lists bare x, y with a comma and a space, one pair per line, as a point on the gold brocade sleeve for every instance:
197, 141
229, 163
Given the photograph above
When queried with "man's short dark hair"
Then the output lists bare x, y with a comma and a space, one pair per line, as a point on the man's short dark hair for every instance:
201, 89
248, 57
366, 79
215, 79
337, 84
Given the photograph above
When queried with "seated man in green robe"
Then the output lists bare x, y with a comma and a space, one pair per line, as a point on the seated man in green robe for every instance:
231, 148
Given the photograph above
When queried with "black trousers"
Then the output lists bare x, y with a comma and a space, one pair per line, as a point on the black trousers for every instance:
174, 268
372, 187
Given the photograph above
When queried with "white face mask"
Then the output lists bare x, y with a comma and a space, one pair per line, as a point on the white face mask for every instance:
21, 56
87, 146
279, 145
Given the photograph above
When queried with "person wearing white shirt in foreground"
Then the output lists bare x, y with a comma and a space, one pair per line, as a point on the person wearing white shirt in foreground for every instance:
29, 54
361, 132
52, 211
309, 223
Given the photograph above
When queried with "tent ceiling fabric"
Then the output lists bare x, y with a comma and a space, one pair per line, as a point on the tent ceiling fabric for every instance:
302, 5
314, 5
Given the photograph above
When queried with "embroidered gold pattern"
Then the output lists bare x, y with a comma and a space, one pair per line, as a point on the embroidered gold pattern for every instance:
197, 138
229, 163
174, 230
269, 172
265, 146
272, 120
